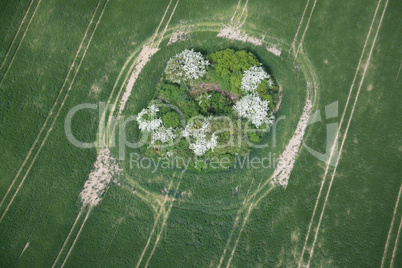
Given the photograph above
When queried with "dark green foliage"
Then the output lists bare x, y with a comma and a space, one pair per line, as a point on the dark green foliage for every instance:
228, 66
228, 61
213, 96
189, 108
171, 119
263, 91
169, 92
220, 105
205, 103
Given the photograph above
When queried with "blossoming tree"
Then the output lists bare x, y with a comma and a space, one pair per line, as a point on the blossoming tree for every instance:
186, 66
148, 121
196, 131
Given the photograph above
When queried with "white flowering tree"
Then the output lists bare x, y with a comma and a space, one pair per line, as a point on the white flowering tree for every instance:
252, 78
196, 131
186, 66
148, 121
253, 108
163, 134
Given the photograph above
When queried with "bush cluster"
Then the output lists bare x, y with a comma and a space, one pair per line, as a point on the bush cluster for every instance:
203, 105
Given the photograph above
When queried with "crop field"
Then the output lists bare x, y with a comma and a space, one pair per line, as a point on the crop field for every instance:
335, 147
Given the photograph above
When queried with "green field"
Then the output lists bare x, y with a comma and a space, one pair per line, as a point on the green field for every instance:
57, 54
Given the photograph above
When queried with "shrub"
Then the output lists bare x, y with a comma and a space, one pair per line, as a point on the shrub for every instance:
171, 119
219, 104
209, 107
228, 61
169, 92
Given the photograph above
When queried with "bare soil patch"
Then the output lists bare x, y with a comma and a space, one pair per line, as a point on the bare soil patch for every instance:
210, 87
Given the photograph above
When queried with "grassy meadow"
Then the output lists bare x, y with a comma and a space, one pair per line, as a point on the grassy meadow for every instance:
55, 55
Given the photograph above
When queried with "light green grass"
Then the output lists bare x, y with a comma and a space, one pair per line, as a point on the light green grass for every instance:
359, 211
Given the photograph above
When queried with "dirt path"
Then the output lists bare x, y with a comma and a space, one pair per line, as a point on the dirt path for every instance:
399, 70
229, 239
234, 227
248, 200
145, 55
212, 87
160, 23
23, 250
242, 12
143, 58
288, 157
346, 132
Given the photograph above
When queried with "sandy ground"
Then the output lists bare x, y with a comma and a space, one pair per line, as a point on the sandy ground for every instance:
274, 50
143, 58
105, 169
288, 157
179, 35
234, 33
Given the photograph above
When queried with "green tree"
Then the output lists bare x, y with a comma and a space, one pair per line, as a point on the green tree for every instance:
171, 119
229, 61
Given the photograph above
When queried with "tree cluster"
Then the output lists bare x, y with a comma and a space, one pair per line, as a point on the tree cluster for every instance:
217, 97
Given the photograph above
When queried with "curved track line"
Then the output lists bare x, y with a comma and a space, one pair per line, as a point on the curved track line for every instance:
76, 238
55, 118
304, 32
390, 229
111, 240
397, 75
242, 11
139, 63
251, 207
152, 232
346, 132
129, 74
234, 14
19, 44
160, 23
229, 239
396, 244
165, 217
337, 134
238, 237
234, 226
298, 29
50, 112
16, 34
167, 24
68, 237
